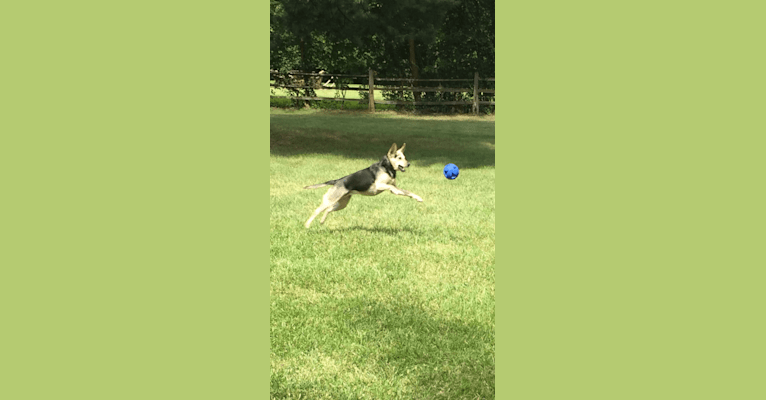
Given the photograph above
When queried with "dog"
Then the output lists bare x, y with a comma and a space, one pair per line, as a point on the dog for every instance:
370, 181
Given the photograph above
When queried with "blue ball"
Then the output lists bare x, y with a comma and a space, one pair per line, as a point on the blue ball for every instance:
451, 171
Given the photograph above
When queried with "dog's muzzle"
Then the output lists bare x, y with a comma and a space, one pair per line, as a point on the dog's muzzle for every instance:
402, 168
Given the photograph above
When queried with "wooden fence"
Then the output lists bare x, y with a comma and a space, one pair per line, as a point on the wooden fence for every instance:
315, 81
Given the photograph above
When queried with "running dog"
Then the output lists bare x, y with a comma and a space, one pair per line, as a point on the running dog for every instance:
370, 181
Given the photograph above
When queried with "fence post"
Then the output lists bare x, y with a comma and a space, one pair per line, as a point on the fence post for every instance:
476, 93
372, 92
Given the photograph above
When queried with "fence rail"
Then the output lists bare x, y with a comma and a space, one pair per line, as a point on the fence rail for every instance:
313, 80
300, 73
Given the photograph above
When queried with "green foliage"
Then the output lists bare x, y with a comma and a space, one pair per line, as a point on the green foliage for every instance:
470, 44
453, 38
284, 54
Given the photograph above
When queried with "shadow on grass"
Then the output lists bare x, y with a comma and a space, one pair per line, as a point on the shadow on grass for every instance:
453, 359
431, 357
319, 230
377, 230
466, 143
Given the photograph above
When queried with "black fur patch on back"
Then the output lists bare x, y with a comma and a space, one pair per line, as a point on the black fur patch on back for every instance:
360, 180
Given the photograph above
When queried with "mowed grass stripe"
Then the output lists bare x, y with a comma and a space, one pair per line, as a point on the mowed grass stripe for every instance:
390, 298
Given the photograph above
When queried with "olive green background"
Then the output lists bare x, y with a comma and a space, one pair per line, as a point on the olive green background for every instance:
630, 222
133, 223
135, 200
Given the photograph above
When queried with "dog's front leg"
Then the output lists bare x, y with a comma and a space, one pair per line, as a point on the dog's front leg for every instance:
401, 192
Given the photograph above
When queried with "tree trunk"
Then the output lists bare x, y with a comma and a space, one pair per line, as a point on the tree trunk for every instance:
303, 54
303, 66
414, 68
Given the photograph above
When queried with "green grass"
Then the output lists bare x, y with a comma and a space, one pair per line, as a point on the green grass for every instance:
390, 298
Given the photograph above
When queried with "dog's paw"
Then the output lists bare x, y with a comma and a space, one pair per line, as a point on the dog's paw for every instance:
418, 198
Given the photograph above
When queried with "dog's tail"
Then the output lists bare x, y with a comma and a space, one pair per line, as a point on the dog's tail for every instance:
318, 185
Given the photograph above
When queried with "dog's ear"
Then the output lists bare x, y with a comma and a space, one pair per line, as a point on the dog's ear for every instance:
402, 148
392, 150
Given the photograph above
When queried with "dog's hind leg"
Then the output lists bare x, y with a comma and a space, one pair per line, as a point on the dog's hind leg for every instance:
341, 204
325, 206
329, 200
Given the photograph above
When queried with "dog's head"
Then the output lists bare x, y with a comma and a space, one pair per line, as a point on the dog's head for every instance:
396, 157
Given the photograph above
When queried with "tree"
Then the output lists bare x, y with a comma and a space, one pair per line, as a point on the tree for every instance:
406, 21
469, 42
427, 38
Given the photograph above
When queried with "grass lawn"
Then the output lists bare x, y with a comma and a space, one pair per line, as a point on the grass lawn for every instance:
390, 298
330, 92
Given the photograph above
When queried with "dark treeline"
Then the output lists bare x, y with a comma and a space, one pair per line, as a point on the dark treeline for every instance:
446, 39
